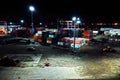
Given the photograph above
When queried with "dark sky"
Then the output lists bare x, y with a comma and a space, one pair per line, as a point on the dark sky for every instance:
51, 10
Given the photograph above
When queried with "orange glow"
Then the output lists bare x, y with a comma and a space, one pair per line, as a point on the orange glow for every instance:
4, 30
100, 23
115, 24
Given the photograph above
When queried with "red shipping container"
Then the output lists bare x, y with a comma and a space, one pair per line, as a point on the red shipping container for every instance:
39, 40
67, 40
71, 41
64, 32
87, 34
63, 39
35, 38
39, 35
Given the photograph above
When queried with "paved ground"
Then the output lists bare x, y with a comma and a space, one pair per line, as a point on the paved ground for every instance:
36, 73
59, 63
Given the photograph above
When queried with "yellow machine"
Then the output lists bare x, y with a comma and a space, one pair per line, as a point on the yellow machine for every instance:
108, 49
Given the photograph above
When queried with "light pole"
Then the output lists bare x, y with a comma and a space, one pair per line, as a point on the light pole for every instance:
78, 22
75, 21
32, 9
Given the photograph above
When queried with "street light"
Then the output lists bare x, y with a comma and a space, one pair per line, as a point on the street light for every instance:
22, 21
75, 21
78, 21
32, 9
40, 23
11, 23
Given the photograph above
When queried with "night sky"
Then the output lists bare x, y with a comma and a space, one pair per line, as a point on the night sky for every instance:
52, 10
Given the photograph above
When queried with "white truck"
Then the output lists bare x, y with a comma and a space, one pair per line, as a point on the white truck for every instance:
113, 32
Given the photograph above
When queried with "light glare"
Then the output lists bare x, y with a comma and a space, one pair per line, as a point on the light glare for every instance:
74, 18
22, 21
31, 8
